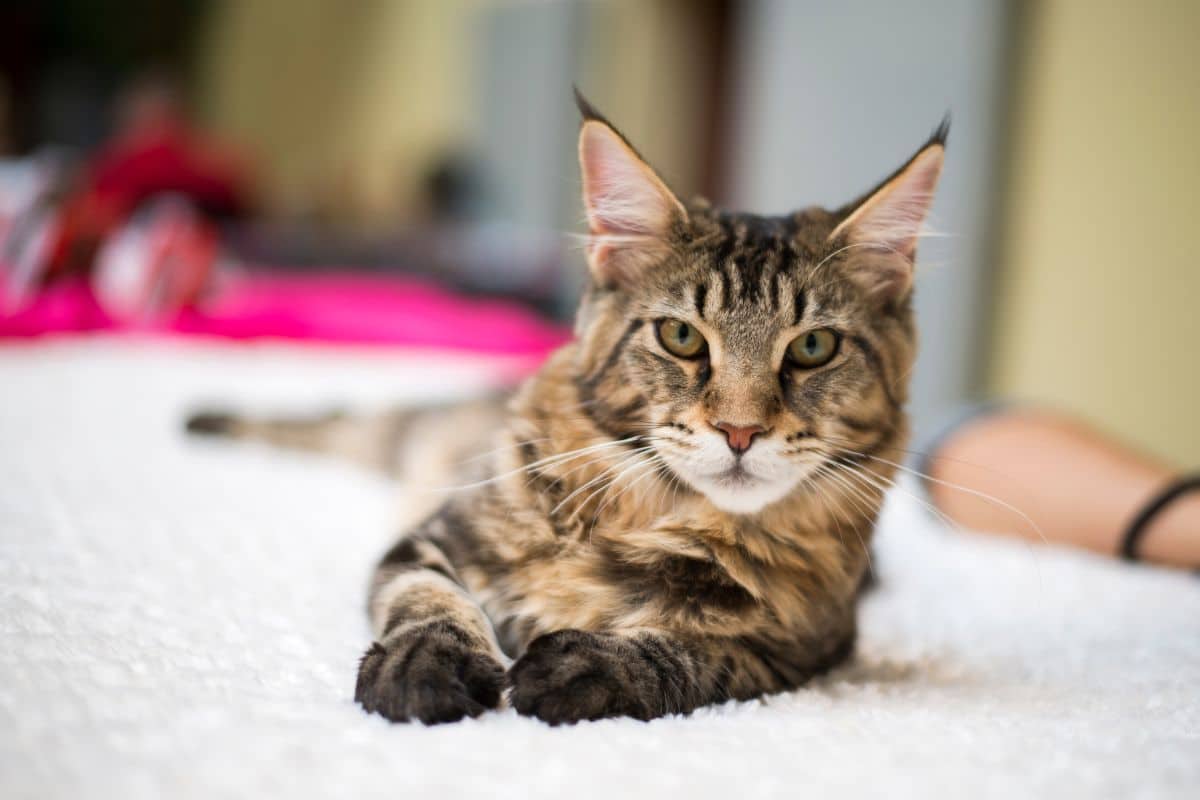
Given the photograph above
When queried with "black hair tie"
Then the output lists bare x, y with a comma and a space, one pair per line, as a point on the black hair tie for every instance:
1151, 510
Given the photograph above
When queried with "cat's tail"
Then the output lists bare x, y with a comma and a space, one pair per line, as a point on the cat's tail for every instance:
393, 442
370, 440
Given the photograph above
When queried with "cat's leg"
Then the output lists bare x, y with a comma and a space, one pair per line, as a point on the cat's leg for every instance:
435, 658
572, 675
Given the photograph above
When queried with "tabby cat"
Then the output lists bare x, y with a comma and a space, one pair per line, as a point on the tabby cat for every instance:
676, 509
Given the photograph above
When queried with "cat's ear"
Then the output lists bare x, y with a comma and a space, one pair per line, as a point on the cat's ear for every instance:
630, 210
882, 228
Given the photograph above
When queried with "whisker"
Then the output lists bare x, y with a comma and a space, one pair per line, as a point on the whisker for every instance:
952, 524
867, 517
548, 460
512, 446
859, 492
825, 503
652, 466
974, 492
605, 487
635, 455
602, 493
923, 454
884, 484
543, 470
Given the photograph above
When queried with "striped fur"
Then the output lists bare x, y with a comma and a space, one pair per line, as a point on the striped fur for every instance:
591, 553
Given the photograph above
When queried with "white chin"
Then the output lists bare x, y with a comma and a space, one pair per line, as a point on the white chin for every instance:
743, 495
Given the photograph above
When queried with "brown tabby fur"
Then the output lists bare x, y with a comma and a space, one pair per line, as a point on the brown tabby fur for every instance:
617, 587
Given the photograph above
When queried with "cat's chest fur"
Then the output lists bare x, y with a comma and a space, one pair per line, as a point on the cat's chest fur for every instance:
695, 577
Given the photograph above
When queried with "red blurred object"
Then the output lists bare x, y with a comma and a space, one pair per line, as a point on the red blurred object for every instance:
158, 156
140, 216
156, 264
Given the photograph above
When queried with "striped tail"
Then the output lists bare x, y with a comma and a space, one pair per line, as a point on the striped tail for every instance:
368, 440
398, 442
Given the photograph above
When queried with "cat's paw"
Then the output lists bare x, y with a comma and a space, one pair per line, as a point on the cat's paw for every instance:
434, 672
571, 675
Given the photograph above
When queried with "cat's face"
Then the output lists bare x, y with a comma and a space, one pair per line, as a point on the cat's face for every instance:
749, 353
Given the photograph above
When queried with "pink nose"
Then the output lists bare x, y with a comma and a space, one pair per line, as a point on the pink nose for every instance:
739, 437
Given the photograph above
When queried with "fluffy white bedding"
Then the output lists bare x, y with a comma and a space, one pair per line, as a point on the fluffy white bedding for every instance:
183, 619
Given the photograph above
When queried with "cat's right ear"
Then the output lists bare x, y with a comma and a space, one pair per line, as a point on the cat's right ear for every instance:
885, 224
630, 210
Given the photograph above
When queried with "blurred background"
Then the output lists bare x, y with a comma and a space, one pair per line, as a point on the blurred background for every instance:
424, 152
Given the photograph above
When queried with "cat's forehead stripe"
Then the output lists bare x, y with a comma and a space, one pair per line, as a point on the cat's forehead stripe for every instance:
776, 302
798, 304
699, 297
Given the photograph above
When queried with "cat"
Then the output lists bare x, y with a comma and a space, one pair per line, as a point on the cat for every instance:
676, 509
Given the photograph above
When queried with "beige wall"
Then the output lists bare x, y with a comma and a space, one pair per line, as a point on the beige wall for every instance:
343, 104
1099, 295
641, 68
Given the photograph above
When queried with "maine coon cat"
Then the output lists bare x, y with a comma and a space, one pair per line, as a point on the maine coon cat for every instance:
676, 509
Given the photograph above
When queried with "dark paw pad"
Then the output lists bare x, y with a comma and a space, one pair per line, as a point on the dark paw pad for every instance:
434, 672
568, 676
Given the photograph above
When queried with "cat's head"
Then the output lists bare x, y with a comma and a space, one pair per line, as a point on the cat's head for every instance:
749, 352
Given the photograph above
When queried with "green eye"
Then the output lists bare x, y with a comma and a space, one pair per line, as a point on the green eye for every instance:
681, 339
813, 349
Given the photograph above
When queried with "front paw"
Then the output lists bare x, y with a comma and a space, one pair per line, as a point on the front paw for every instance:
434, 672
570, 675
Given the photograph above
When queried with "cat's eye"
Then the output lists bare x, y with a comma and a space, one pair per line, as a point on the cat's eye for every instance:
813, 349
680, 338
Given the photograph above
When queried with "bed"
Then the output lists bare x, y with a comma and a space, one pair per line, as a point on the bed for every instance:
183, 619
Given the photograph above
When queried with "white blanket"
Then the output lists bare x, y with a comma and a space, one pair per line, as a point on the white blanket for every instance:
182, 618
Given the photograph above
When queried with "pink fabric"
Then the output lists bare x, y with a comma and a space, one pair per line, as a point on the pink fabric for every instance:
313, 307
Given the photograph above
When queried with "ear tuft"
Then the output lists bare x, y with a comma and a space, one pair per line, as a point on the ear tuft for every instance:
586, 109
941, 134
630, 210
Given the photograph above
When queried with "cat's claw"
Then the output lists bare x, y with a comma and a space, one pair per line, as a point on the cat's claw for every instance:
432, 672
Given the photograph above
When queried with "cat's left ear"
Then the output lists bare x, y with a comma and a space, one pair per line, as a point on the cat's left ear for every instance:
630, 210
887, 222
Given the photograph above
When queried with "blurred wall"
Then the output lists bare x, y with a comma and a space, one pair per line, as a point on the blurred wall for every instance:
1098, 298
342, 103
347, 105
648, 66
